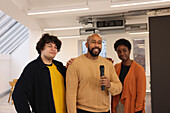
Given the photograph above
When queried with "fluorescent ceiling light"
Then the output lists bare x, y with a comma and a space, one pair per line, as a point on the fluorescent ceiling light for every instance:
67, 28
56, 11
138, 33
69, 37
137, 39
139, 3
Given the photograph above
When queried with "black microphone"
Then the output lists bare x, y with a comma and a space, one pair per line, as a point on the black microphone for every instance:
102, 74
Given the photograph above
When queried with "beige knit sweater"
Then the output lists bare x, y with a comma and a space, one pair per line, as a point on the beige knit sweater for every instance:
83, 89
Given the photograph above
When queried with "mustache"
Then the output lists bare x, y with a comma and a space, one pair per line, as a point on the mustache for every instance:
96, 48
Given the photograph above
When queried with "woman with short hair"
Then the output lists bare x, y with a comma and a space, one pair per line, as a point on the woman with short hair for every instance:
133, 79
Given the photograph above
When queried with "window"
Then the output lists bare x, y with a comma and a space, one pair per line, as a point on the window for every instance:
139, 51
12, 34
103, 51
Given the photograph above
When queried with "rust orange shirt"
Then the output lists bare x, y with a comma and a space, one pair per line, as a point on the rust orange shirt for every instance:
134, 89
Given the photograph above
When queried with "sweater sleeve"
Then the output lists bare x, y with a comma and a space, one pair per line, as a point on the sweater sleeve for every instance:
21, 91
116, 86
141, 89
71, 88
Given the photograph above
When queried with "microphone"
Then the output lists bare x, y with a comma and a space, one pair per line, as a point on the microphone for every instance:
102, 74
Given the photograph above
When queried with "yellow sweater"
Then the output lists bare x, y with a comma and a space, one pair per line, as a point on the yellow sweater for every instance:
57, 82
83, 89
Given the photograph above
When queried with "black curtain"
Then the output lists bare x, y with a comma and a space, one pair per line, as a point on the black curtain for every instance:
159, 34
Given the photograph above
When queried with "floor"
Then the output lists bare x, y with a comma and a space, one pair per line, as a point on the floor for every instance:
148, 103
6, 107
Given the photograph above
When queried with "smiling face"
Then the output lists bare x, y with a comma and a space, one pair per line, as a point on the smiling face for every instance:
49, 51
123, 52
94, 45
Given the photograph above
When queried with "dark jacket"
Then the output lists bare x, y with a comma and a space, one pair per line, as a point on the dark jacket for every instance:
34, 88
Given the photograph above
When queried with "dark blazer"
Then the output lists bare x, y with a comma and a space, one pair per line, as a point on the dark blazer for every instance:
34, 89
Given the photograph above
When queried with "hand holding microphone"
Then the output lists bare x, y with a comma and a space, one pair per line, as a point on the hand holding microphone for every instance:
104, 80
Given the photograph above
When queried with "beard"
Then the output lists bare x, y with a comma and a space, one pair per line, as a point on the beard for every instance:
93, 53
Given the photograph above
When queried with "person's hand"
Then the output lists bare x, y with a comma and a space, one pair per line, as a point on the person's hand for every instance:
110, 59
104, 81
70, 62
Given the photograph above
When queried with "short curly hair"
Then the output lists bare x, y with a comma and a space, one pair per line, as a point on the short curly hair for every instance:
46, 38
122, 42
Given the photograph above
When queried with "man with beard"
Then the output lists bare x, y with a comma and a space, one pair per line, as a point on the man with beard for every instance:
83, 81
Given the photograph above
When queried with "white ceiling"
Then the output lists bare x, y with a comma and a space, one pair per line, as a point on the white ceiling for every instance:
68, 19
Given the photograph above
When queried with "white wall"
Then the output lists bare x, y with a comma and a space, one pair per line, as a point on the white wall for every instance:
12, 66
69, 49
19, 59
34, 36
4, 72
25, 53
